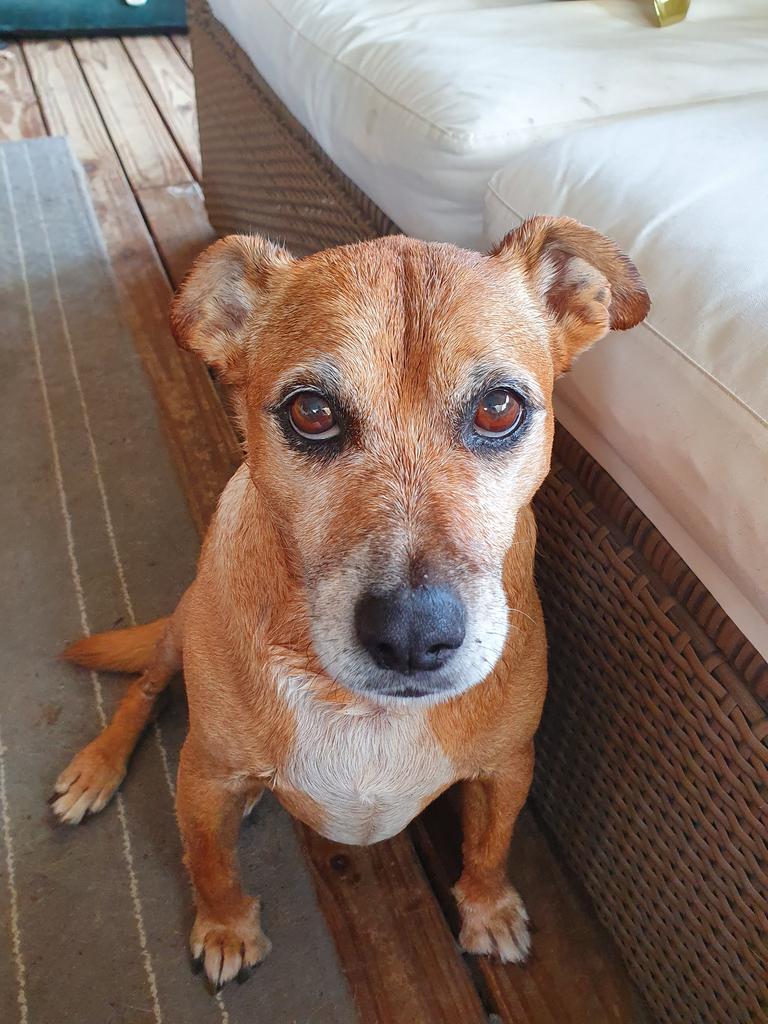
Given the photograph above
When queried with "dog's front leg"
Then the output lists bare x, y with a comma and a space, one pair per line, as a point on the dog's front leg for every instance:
226, 938
493, 918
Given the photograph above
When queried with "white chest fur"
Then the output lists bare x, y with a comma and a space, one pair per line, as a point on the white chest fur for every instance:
370, 772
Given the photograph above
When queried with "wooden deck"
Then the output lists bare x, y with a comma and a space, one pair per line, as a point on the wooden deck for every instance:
127, 106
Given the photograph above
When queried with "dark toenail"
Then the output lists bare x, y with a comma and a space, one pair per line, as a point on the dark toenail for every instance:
243, 975
196, 963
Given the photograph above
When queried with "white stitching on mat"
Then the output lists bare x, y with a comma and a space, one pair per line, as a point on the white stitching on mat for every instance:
10, 866
75, 575
117, 561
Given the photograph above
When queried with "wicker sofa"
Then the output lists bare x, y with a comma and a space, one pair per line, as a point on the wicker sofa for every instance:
653, 751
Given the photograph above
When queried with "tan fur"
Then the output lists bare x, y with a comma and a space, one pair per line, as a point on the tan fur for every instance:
279, 693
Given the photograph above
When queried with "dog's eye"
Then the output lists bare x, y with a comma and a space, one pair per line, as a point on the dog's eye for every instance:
499, 413
312, 417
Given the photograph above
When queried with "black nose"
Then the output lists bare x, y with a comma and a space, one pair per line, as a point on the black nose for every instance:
411, 629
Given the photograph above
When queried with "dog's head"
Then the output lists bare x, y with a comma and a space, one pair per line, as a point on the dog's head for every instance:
396, 402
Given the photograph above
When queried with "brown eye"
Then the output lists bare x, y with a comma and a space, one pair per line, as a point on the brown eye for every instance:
498, 413
312, 416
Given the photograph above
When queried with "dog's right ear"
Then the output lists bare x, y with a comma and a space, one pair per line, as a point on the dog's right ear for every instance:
586, 284
215, 311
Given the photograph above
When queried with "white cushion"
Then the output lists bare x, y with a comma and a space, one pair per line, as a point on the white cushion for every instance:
677, 409
419, 102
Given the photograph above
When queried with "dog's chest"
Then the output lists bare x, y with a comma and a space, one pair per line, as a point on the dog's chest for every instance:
368, 775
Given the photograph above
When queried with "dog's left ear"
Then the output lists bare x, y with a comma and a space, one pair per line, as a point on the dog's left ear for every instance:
588, 286
215, 311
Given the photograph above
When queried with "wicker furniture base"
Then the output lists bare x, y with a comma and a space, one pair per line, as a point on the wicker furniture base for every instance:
653, 751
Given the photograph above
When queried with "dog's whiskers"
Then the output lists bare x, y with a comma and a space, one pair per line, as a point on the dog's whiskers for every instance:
519, 611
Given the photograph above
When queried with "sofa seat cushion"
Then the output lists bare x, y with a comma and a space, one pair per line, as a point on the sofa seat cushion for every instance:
420, 102
677, 409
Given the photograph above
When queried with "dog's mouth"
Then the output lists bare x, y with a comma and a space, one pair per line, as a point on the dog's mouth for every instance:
385, 686
390, 687
407, 691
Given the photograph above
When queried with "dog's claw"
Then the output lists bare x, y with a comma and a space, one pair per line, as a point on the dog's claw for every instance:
196, 963
88, 784
227, 951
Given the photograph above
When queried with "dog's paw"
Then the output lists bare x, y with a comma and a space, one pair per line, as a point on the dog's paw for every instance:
228, 950
88, 784
496, 927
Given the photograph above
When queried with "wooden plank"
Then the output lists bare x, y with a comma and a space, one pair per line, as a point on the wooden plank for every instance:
146, 150
181, 42
176, 217
202, 444
20, 116
179, 225
398, 953
574, 975
169, 82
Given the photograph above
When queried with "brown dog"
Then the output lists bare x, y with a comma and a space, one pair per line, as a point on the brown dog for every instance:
364, 628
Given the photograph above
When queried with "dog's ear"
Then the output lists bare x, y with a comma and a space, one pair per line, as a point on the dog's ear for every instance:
588, 286
215, 311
